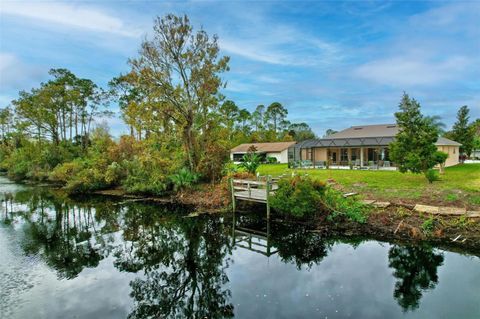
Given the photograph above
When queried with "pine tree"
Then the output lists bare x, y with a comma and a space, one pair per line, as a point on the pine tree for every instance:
462, 132
414, 147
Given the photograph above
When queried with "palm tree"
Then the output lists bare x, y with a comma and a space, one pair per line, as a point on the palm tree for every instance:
436, 121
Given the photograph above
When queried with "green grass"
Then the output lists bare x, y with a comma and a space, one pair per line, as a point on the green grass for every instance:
393, 184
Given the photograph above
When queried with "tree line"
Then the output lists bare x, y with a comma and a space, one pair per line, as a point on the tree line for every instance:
170, 98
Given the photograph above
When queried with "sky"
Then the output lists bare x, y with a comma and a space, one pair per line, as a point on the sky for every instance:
332, 64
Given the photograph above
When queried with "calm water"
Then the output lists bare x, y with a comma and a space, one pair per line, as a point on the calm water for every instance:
98, 258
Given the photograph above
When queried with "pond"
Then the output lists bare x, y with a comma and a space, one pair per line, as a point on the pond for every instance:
103, 258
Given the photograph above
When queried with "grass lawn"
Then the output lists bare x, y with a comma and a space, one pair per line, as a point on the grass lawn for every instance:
459, 186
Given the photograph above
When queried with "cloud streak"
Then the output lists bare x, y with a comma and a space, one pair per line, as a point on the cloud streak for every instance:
401, 71
70, 15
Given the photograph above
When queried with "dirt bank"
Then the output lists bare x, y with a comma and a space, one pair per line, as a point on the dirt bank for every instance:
396, 222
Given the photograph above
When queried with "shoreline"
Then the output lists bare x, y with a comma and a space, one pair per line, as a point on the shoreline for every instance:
396, 222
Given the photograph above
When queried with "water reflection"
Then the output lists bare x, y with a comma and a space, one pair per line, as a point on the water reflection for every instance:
184, 262
180, 265
68, 235
415, 268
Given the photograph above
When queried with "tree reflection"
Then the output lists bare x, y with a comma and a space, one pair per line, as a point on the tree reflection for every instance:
416, 271
300, 246
184, 262
67, 236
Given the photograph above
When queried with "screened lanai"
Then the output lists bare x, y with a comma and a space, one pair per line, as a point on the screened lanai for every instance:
342, 153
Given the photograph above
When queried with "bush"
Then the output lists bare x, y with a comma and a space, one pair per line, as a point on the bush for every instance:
432, 175
183, 179
348, 207
84, 175
298, 196
251, 162
271, 160
148, 174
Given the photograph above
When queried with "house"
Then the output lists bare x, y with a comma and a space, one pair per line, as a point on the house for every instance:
365, 146
278, 150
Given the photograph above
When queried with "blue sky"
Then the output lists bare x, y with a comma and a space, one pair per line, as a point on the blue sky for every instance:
332, 64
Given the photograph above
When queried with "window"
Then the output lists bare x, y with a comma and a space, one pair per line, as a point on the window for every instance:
309, 153
344, 154
454, 150
238, 157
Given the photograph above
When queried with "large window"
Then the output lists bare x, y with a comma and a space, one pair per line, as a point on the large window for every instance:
344, 154
355, 154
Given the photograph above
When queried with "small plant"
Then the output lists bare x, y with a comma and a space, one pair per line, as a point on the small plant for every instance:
251, 161
403, 212
428, 225
348, 207
474, 199
451, 197
229, 168
432, 175
184, 179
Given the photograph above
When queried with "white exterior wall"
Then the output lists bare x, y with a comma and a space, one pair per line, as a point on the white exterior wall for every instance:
282, 157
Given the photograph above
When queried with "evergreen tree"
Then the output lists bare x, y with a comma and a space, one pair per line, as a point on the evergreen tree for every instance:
276, 113
462, 132
414, 147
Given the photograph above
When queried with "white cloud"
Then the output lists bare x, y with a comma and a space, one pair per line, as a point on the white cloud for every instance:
408, 71
70, 15
253, 52
14, 74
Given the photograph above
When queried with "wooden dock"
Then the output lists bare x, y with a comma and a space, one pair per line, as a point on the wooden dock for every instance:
252, 191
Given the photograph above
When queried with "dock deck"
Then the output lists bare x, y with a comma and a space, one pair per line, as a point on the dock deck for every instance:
252, 191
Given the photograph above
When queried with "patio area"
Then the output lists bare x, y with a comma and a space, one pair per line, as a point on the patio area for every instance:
361, 158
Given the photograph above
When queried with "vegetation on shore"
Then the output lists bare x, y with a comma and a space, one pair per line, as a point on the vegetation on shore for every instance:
181, 126
459, 185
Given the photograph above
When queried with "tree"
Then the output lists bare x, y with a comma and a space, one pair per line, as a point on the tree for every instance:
329, 132
258, 118
61, 106
301, 131
243, 117
179, 69
6, 121
463, 132
414, 147
436, 121
275, 114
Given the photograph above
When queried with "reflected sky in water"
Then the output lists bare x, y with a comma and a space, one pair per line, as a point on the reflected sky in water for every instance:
97, 258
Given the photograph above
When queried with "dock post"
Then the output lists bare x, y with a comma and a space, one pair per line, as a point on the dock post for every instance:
232, 189
267, 196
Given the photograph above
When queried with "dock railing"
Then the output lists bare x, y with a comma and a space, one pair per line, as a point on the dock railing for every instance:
253, 191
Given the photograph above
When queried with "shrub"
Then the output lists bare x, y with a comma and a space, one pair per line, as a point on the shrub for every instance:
229, 168
432, 175
271, 160
428, 225
251, 162
348, 207
183, 179
298, 196
147, 174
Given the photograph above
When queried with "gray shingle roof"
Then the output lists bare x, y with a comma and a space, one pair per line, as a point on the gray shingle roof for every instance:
367, 131
364, 135
447, 142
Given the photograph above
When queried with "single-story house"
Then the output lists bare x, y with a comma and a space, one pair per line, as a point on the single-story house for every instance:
360, 147
279, 150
